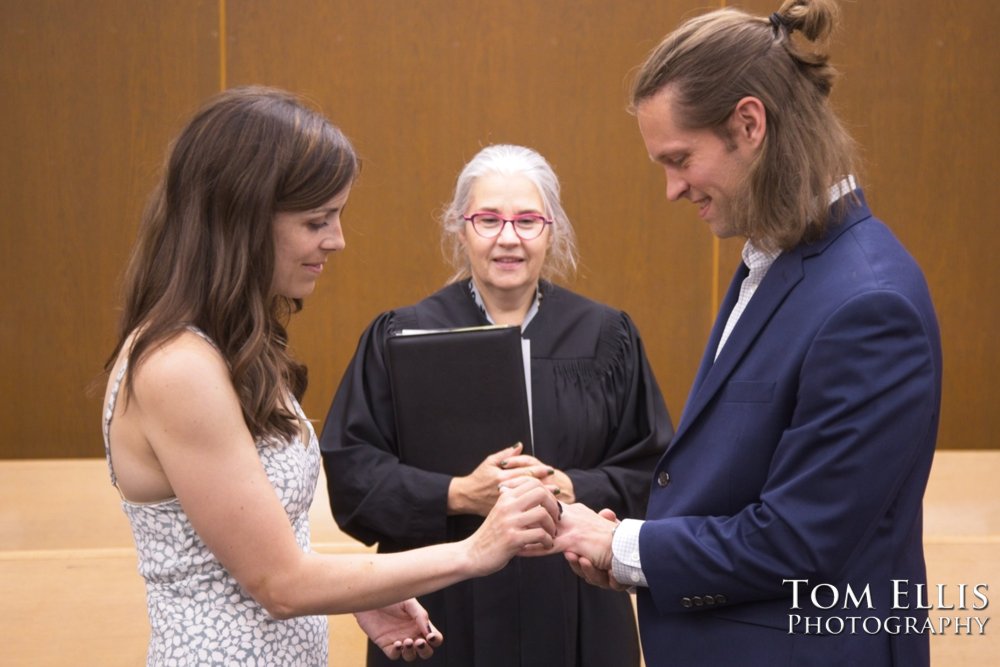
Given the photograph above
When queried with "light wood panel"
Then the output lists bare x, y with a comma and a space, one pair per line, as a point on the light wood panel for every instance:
70, 593
962, 546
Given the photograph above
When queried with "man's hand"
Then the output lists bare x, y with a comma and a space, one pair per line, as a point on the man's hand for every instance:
586, 533
593, 576
585, 537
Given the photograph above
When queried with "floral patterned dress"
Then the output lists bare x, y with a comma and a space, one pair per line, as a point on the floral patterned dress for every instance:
198, 613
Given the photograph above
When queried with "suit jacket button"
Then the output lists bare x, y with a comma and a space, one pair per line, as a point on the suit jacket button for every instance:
709, 600
720, 599
697, 601
686, 603
663, 478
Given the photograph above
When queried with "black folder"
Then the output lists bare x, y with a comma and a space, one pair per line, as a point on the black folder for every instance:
458, 396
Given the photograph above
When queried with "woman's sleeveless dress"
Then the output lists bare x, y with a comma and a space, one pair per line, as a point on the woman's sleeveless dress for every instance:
198, 613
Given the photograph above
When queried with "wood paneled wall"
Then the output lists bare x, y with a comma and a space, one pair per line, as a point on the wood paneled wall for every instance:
92, 93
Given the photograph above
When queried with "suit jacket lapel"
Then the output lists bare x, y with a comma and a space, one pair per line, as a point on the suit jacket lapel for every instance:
781, 278
708, 357
779, 281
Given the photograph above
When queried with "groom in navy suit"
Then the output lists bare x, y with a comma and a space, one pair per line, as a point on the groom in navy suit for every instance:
784, 524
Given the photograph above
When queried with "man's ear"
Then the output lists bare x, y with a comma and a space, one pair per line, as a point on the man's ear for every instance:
748, 122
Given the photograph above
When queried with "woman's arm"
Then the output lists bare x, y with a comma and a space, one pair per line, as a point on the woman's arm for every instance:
191, 417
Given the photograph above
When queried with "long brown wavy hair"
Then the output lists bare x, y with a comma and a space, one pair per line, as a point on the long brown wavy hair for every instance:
713, 61
204, 255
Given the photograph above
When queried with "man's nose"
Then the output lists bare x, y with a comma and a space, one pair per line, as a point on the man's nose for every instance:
676, 187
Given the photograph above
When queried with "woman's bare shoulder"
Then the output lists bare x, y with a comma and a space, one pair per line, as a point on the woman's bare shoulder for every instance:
186, 367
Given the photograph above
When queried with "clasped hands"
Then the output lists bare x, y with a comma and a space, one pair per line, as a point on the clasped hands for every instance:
530, 511
478, 492
582, 535
585, 539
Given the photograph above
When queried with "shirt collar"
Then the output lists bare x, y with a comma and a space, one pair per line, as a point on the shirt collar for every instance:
758, 259
532, 311
844, 187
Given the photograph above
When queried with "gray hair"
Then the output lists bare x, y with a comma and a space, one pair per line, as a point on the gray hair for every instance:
509, 160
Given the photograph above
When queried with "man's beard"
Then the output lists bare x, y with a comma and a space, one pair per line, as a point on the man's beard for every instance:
736, 211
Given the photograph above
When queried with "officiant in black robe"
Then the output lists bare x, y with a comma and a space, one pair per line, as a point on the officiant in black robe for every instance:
599, 426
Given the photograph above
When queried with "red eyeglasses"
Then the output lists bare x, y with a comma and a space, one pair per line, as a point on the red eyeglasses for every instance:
489, 225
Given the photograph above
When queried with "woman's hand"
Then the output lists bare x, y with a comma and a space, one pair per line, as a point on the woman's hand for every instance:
401, 630
523, 520
477, 492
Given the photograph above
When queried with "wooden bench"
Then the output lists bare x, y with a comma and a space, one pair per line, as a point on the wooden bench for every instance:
70, 593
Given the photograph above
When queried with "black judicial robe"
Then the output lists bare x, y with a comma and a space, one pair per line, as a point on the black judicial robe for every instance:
598, 415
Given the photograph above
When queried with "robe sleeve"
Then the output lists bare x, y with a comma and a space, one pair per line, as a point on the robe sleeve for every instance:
373, 496
640, 426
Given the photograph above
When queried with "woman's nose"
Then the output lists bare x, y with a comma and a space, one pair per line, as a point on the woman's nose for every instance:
507, 233
334, 241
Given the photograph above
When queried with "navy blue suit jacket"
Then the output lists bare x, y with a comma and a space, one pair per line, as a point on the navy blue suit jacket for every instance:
803, 453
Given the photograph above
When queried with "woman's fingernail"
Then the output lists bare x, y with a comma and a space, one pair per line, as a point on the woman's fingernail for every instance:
550, 471
556, 492
503, 464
